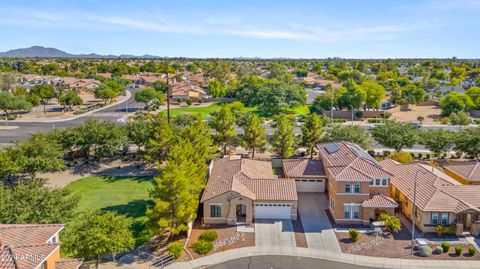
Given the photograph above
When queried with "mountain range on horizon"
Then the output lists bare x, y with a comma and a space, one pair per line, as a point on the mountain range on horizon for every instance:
45, 52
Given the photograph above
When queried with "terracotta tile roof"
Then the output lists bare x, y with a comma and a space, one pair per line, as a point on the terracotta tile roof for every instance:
379, 201
27, 234
303, 168
25, 257
251, 178
436, 191
348, 162
470, 171
183, 88
68, 263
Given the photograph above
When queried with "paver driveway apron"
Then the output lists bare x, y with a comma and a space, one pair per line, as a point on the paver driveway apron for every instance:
274, 233
318, 230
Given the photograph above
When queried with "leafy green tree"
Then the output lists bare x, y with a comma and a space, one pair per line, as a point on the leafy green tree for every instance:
401, 157
349, 133
460, 118
40, 154
312, 132
474, 94
217, 89
150, 97
7, 81
254, 137
284, 136
9, 103
93, 234
411, 94
70, 99
275, 97
375, 93
105, 93
50, 205
396, 135
455, 101
354, 97
223, 121
467, 140
438, 141
138, 130
45, 93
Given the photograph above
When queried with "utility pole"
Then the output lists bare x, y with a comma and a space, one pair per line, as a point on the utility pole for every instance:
168, 94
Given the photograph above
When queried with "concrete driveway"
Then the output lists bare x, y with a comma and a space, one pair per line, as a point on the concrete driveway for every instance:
318, 230
274, 233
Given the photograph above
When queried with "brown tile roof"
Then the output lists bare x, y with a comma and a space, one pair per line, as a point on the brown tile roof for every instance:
28, 234
436, 191
349, 162
470, 171
303, 168
379, 201
183, 88
251, 178
25, 257
68, 263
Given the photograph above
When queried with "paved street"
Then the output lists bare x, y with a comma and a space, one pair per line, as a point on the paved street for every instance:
317, 227
283, 262
274, 233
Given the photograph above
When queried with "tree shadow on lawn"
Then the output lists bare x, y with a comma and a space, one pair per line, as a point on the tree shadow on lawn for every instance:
135, 209
139, 179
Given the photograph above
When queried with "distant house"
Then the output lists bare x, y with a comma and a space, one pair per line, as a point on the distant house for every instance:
84, 85
146, 79
316, 81
33, 246
465, 173
445, 89
186, 90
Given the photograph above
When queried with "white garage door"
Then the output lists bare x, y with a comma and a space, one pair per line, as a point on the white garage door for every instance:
273, 211
310, 185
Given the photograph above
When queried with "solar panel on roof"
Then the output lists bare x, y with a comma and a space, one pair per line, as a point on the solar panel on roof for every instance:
332, 148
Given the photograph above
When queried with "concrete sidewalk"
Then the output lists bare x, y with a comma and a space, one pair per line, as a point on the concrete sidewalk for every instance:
375, 262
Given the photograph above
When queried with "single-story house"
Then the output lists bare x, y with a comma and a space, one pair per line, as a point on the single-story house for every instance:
440, 199
186, 90
465, 173
240, 190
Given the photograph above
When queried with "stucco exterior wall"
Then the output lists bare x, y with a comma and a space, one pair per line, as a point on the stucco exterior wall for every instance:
52, 259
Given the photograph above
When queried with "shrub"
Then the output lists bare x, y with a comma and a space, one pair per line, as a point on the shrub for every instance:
359, 114
472, 250
209, 236
386, 115
445, 246
11, 117
438, 250
354, 235
202, 247
402, 157
440, 230
189, 102
392, 223
425, 251
176, 249
445, 120
458, 250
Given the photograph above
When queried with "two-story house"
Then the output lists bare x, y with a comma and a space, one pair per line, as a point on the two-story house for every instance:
33, 246
358, 186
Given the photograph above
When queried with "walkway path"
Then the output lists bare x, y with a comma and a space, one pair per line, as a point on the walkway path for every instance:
298, 253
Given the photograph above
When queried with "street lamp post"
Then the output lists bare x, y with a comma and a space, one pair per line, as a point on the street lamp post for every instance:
414, 207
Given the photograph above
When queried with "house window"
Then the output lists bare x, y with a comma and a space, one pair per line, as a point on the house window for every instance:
434, 220
356, 212
377, 182
215, 211
348, 187
357, 187
384, 182
444, 218
346, 211
332, 203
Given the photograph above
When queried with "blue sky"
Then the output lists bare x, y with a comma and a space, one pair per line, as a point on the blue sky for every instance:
229, 28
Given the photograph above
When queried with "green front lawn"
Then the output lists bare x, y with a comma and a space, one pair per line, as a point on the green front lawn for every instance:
128, 196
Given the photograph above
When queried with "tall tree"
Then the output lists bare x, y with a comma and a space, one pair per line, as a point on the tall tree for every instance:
45, 93
396, 135
438, 141
375, 93
223, 121
467, 140
9, 102
455, 102
284, 136
160, 138
254, 137
349, 133
150, 97
312, 132
70, 99
94, 234
217, 89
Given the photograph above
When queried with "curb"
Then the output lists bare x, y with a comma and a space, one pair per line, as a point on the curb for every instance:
376, 262
129, 95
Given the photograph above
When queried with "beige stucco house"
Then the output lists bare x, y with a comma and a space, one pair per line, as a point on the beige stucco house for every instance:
240, 190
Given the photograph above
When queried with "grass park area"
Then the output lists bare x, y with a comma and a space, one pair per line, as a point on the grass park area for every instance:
127, 196
205, 110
